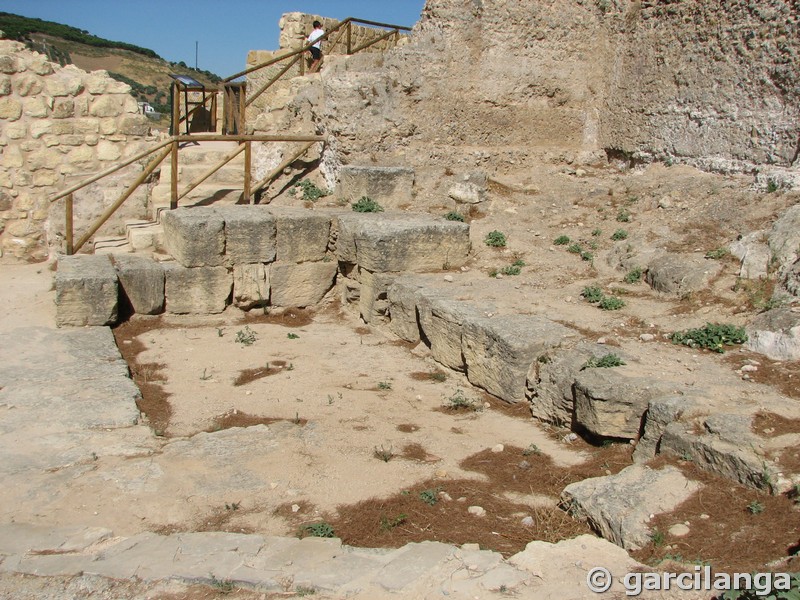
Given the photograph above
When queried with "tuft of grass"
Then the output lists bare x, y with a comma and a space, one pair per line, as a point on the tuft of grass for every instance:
619, 234
511, 270
718, 253
592, 294
246, 336
623, 215
597, 232
454, 216
518, 263
366, 204
755, 508
458, 401
292, 336
495, 239
387, 524
587, 256
384, 385
575, 248
605, 362
611, 303
430, 496
561, 240
634, 275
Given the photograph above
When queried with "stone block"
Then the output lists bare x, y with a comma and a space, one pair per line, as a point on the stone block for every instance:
106, 106
86, 291
391, 187
250, 285
301, 234
373, 303
249, 234
142, 282
441, 322
403, 296
611, 403
195, 237
299, 285
199, 290
680, 274
396, 242
10, 109
499, 351
619, 506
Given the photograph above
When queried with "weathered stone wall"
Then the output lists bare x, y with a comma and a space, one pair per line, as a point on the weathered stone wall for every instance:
59, 126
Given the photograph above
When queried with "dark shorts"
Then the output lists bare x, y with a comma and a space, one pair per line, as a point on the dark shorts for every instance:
316, 53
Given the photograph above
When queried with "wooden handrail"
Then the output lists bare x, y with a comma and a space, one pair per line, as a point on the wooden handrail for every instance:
375, 41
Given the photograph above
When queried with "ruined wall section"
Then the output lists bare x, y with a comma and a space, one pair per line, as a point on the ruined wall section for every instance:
59, 126
708, 82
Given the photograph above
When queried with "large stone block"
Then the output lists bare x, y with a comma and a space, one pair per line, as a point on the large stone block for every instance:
250, 286
499, 351
389, 186
680, 274
610, 403
619, 506
86, 291
199, 290
195, 237
441, 321
299, 285
395, 242
403, 296
142, 281
775, 334
302, 235
249, 234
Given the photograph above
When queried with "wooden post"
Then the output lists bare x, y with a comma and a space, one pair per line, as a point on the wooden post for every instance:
248, 159
176, 109
69, 225
349, 37
242, 109
173, 198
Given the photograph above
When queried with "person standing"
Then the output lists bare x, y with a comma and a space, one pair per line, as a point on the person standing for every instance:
316, 48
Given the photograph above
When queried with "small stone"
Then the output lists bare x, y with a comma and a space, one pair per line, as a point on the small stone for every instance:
524, 464
462, 499
679, 530
464, 269
295, 508
647, 337
570, 437
705, 517
498, 276
471, 547
440, 473
487, 406
749, 368
478, 511
498, 448
601, 340
568, 299
746, 377
448, 278
528, 521
665, 202
445, 496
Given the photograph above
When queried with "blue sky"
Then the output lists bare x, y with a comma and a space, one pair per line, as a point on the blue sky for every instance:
225, 30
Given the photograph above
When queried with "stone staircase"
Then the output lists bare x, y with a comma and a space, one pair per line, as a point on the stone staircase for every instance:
224, 187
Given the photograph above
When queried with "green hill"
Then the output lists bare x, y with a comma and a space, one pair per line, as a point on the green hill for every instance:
141, 68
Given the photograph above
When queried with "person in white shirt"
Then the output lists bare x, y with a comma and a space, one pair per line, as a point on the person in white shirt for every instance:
316, 49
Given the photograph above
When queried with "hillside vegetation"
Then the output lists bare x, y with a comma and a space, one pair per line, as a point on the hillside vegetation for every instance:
141, 68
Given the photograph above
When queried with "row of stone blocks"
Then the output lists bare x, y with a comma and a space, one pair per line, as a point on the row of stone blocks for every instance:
253, 256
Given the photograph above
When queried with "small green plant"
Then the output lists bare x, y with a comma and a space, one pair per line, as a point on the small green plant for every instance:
634, 275
544, 359
302, 591
604, 362
366, 204
384, 385
219, 332
493, 272
592, 294
511, 270
561, 240
454, 216
619, 234
657, 537
310, 191
686, 456
597, 232
429, 496
296, 419
518, 263
321, 529
438, 376
383, 454
458, 401
232, 505
495, 239
623, 215
205, 377
223, 586
718, 253
246, 336
587, 256
292, 336
772, 186
575, 248
532, 449
755, 508
387, 524
611, 303
714, 337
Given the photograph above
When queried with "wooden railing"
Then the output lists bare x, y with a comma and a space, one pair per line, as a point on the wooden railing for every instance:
344, 28
171, 148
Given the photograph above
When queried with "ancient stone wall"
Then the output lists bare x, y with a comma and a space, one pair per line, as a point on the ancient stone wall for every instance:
59, 126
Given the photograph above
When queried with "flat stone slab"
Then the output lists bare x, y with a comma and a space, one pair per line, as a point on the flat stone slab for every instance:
680, 274
619, 506
302, 234
142, 282
775, 334
389, 186
442, 323
250, 234
86, 291
396, 242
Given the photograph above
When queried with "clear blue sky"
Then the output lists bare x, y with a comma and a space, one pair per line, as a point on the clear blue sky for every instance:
225, 30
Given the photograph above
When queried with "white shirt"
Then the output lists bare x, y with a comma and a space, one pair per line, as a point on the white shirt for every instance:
314, 36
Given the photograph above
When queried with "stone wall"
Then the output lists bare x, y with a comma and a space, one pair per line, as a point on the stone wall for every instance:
59, 126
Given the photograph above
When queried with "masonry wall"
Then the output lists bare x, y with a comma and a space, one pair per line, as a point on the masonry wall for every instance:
59, 126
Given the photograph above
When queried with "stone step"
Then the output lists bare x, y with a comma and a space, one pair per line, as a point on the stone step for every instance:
143, 235
233, 172
111, 244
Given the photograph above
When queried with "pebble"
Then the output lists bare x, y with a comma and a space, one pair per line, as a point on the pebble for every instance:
527, 521
498, 276
524, 464
448, 278
679, 530
601, 340
498, 448
705, 517
568, 299
478, 511
647, 337
487, 406
445, 496
570, 437
440, 473
464, 269
748, 368
295, 508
